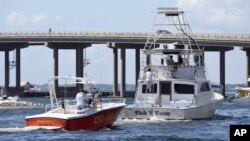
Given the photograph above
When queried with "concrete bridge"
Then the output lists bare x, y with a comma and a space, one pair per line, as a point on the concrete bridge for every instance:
114, 40
204, 39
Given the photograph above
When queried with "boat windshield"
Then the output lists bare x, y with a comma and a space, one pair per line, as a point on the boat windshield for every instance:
184, 89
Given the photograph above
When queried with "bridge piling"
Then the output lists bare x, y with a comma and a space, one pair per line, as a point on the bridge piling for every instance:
7, 73
115, 72
123, 72
247, 50
78, 47
137, 64
123, 47
222, 71
15, 63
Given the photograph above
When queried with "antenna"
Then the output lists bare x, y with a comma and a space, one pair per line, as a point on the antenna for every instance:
12, 63
85, 60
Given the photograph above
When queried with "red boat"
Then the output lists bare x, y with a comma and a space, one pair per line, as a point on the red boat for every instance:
65, 115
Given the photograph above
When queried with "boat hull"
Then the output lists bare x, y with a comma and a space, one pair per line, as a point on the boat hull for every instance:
243, 92
92, 122
240, 99
169, 113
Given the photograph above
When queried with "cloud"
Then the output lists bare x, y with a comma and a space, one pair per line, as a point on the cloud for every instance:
57, 18
38, 18
187, 4
16, 18
19, 18
223, 15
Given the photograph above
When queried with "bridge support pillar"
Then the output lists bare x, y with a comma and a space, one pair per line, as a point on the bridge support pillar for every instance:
7, 73
222, 51
222, 71
248, 69
79, 65
55, 66
115, 72
78, 47
18, 67
123, 72
16, 63
123, 47
137, 65
248, 65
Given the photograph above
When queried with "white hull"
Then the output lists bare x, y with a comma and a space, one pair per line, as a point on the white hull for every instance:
170, 113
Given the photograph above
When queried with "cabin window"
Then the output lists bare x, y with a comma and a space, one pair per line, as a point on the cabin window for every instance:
204, 87
165, 88
149, 88
183, 89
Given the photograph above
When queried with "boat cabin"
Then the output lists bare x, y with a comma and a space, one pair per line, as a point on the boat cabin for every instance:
162, 92
168, 92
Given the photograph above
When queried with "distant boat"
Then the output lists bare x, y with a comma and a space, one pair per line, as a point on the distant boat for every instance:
65, 115
5, 98
242, 91
14, 101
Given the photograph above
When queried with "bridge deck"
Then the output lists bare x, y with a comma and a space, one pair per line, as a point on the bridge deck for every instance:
218, 39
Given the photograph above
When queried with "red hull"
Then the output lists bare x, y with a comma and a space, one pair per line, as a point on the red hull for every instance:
91, 122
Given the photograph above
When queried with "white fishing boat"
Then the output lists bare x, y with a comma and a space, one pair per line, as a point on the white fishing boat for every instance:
173, 82
65, 114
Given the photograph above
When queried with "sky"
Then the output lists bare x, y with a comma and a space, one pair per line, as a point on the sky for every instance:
204, 16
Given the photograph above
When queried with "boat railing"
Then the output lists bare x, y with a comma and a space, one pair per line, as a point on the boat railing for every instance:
49, 107
113, 100
70, 105
66, 103
172, 71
